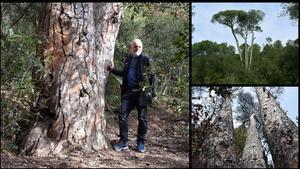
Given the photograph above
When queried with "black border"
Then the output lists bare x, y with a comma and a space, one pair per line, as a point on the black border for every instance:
190, 88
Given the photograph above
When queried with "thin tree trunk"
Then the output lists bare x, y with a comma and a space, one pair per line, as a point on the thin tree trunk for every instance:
218, 151
251, 50
237, 44
281, 133
253, 153
165, 85
246, 51
80, 40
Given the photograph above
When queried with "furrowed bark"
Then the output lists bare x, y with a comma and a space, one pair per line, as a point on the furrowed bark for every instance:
218, 151
281, 132
80, 40
253, 153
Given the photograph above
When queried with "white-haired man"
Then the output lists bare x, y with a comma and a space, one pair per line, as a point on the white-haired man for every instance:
134, 93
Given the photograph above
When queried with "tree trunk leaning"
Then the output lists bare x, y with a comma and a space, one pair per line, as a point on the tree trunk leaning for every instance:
237, 44
281, 132
80, 40
218, 149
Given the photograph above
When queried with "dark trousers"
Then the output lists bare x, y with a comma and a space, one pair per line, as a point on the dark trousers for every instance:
129, 101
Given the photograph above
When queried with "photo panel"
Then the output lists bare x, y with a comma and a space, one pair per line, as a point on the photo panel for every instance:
244, 127
95, 84
245, 43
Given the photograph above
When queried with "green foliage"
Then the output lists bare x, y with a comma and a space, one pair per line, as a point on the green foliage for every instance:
208, 48
274, 64
240, 136
288, 61
291, 9
164, 30
19, 45
254, 17
228, 17
113, 92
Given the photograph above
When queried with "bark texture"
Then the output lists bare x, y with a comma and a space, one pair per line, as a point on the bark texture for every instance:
253, 153
80, 40
281, 133
218, 149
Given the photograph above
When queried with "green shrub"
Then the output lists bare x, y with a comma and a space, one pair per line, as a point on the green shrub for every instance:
240, 135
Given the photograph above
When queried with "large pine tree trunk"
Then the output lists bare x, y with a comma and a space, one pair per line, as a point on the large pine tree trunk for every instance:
80, 40
253, 153
281, 133
218, 151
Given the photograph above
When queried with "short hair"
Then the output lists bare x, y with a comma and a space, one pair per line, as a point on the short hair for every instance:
135, 41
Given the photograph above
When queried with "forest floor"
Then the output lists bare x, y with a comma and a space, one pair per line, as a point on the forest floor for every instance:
167, 146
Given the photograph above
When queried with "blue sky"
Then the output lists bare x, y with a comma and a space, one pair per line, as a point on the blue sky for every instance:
288, 101
278, 28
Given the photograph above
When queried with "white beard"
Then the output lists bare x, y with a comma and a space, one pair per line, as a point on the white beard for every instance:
137, 53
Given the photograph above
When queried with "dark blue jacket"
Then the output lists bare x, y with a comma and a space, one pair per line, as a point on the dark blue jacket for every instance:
145, 97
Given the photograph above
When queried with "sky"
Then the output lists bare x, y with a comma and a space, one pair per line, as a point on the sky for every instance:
288, 101
278, 28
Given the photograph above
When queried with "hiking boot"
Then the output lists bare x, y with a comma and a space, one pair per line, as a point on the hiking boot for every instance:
140, 147
120, 146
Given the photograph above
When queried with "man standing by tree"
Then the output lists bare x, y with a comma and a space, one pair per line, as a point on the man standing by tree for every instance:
138, 88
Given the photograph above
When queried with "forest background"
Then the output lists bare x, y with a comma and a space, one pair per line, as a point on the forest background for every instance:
162, 27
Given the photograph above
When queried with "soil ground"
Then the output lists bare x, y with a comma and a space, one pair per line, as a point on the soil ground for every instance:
167, 146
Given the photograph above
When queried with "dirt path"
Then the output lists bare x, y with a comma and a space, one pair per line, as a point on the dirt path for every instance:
167, 146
